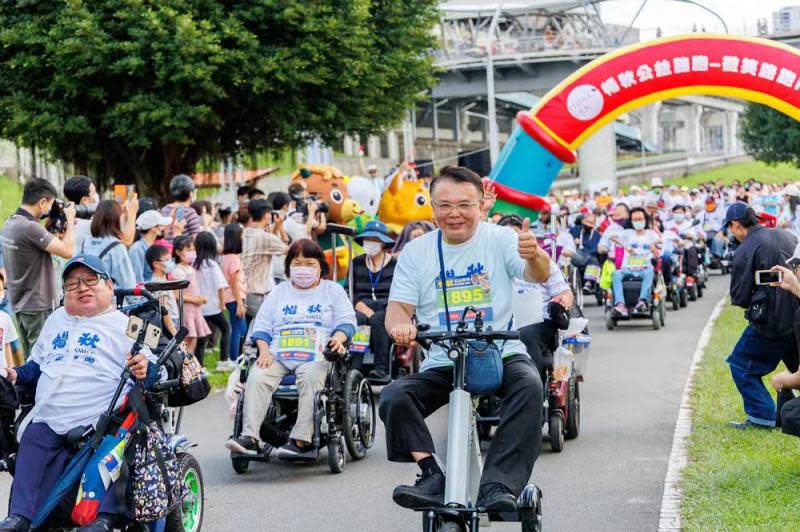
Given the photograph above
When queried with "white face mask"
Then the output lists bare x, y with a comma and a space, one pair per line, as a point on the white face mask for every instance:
638, 225
373, 248
304, 276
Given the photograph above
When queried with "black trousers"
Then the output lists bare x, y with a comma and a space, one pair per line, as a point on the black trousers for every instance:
405, 403
541, 340
691, 261
378, 337
220, 322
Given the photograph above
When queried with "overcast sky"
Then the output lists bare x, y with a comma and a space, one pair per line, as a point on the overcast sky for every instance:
675, 17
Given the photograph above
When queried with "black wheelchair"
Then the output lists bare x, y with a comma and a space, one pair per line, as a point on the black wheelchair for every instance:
161, 404
631, 286
344, 416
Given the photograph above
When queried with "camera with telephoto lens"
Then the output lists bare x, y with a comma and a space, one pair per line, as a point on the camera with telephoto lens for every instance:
57, 219
302, 205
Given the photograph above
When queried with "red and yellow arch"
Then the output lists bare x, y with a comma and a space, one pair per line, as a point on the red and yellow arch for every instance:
752, 69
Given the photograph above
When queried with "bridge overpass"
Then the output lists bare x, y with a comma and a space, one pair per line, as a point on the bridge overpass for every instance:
526, 48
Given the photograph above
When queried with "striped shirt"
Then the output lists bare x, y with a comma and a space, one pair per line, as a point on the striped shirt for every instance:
258, 248
193, 222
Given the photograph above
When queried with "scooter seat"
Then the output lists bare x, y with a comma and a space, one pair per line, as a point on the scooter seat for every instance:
287, 389
289, 380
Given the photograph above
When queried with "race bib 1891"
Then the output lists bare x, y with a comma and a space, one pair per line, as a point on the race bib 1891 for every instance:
299, 344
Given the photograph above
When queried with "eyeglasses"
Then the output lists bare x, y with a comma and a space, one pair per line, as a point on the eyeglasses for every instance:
462, 207
72, 283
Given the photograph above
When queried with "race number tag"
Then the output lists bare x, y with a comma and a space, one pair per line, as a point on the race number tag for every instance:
462, 291
299, 344
360, 341
638, 262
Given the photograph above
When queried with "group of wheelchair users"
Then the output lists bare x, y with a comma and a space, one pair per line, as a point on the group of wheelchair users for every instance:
393, 292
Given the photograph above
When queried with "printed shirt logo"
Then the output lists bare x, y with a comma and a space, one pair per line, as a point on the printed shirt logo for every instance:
60, 341
88, 340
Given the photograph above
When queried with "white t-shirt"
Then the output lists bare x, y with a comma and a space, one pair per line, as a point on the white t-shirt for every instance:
296, 323
209, 281
641, 256
479, 272
81, 361
8, 334
82, 231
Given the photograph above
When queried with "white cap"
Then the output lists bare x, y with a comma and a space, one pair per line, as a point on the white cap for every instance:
149, 219
656, 182
371, 168
635, 188
791, 190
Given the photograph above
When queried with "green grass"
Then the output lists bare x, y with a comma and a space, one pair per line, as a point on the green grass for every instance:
10, 197
742, 171
735, 480
218, 379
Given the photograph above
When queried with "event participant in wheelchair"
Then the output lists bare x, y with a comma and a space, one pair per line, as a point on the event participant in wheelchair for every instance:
682, 225
372, 278
296, 321
481, 261
639, 244
75, 366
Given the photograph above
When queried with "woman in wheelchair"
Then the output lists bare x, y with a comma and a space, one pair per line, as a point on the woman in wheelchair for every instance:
372, 278
640, 245
75, 366
295, 323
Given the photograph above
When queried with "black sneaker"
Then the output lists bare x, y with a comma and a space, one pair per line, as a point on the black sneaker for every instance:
103, 523
747, 424
243, 445
293, 452
426, 492
495, 497
15, 523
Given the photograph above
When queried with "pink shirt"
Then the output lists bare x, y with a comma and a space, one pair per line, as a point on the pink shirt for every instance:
232, 268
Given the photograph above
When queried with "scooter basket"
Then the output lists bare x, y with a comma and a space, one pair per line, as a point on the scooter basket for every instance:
483, 373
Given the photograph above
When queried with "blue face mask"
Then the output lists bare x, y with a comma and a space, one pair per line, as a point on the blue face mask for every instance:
638, 225
679, 217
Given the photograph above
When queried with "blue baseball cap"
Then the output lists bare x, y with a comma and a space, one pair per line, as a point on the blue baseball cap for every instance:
90, 261
374, 229
736, 212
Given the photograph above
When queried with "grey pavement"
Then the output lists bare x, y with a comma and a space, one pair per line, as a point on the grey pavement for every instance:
610, 478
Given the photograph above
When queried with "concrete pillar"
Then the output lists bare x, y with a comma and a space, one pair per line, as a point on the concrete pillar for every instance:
349, 146
393, 144
597, 160
374, 147
732, 138
694, 126
650, 126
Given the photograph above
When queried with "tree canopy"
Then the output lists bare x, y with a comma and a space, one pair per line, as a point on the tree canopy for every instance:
138, 90
769, 135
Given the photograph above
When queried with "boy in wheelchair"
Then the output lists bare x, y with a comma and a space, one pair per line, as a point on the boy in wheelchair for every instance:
75, 366
295, 323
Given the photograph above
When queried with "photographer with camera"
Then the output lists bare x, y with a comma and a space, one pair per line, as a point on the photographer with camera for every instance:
81, 191
307, 211
27, 249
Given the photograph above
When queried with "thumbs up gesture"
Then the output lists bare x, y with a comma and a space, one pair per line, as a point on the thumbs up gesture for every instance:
528, 246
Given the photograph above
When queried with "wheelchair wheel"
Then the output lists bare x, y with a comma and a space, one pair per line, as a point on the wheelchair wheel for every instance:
187, 516
359, 415
573, 409
662, 312
555, 428
336, 455
530, 511
683, 300
240, 465
693, 293
610, 321
449, 526
676, 302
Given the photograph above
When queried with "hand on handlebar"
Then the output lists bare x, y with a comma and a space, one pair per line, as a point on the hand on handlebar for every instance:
137, 365
404, 334
334, 345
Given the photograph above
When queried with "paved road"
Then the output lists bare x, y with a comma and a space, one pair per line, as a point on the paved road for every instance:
610, 478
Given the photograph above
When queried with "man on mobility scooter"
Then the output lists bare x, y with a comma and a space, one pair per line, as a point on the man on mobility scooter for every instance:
75, 365
479, 261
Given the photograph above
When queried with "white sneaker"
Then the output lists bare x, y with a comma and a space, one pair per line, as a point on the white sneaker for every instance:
222, 366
